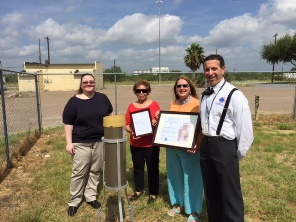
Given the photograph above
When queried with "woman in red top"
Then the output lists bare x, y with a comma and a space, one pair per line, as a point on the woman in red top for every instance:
141, 147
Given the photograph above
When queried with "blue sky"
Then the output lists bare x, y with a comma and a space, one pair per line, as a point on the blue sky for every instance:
84, 31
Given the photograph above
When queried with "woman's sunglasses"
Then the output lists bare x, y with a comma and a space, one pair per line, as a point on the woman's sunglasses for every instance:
142, 90
88, 82
184, 86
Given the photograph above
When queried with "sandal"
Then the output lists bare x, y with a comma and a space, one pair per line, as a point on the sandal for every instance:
192, 218
173, 211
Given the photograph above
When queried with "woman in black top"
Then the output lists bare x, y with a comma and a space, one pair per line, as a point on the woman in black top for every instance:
83, 119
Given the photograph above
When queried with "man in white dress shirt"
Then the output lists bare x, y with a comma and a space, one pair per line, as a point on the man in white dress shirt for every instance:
220, 152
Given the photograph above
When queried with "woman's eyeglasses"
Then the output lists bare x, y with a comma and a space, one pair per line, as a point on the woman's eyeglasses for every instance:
142, 90
184, 86
88, 82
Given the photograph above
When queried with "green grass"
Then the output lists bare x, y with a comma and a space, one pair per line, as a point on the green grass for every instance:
268, 178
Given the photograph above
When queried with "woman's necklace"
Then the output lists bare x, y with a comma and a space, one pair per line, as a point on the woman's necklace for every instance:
184, 101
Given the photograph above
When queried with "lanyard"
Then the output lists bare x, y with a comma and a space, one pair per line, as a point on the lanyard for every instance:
209, 110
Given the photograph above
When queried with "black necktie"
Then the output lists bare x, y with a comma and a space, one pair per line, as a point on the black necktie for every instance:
208, 91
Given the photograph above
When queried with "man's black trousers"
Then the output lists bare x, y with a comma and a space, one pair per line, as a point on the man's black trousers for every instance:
221, 178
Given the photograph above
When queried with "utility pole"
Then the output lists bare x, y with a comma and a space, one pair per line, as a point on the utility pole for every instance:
48, 57
159, 69
115, 85
272, 76
40, 61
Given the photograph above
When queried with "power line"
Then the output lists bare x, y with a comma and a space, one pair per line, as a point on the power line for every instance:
18, 56
13, 67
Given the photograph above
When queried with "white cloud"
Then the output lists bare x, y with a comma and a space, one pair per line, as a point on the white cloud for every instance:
133, 39
67, 33
12, 19
279, 12
138, 29
233, 31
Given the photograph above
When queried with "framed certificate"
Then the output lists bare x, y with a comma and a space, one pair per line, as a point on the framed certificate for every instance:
141, 122
176, 130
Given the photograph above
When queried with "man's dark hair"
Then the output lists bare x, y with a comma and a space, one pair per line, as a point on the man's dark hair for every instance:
215, 57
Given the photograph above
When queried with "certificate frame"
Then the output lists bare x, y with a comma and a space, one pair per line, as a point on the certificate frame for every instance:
177, 130
141, 122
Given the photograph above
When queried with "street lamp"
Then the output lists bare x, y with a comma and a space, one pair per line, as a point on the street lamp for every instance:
272, 76
159, 3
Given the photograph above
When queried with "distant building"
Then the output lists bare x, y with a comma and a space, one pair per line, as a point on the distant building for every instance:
58, 77
162, 69
290, 75
153, 70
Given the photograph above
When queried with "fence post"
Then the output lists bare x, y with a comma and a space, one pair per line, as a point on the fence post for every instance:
115, 85
8, 161
38, 103
295, 104
256, 107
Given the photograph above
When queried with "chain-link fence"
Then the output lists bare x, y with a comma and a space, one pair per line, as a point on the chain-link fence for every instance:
20, 115
33, 101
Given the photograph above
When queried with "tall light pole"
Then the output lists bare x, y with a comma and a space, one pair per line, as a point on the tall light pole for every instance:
275, 35
159, 3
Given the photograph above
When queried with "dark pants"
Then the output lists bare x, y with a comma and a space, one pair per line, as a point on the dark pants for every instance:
151, 157
220, 173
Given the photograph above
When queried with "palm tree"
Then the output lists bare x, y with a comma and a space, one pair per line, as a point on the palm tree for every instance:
194, 57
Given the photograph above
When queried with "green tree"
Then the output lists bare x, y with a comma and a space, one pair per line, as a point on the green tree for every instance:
115, 70
193, 60
194, 57
283, 50
11, 78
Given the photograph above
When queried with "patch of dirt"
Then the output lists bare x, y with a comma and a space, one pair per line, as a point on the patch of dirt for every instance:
15, 183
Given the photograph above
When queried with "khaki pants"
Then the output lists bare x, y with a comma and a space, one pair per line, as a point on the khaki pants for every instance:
87, 162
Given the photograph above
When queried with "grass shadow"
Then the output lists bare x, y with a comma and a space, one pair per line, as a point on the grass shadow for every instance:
18, 150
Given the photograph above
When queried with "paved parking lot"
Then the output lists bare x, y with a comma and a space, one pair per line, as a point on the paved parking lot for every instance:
22, 111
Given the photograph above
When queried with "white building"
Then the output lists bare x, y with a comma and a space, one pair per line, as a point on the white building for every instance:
153, 70
162, 69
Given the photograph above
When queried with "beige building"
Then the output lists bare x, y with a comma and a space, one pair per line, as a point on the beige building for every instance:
58, 77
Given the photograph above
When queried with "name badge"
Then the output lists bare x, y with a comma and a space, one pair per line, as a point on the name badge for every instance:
205, 128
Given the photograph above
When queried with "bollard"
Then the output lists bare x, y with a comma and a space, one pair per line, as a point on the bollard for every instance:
114, 129
256, 107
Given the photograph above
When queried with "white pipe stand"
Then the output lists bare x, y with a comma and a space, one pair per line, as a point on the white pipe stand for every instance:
119, 187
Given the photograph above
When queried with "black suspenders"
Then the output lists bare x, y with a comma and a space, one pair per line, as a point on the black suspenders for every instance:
224, 112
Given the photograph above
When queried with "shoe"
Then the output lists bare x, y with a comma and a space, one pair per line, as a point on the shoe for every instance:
192, 219
173, 211
151, 200
95, 204
135, 197
72, 211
